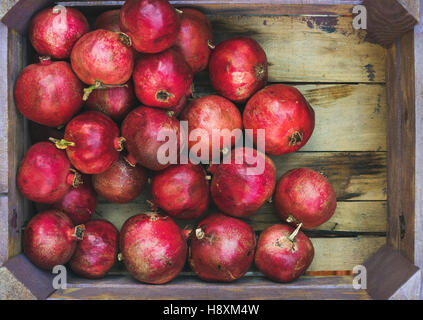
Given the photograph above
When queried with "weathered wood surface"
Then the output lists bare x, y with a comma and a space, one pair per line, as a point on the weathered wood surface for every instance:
3, 112
183, 288
4, 229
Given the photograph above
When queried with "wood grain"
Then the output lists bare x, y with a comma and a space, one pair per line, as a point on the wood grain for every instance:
3, 112
4, 229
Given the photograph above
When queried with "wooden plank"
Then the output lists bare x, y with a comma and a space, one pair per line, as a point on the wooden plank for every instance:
4, 229
309, 49
188, 288
3, 111
387, 20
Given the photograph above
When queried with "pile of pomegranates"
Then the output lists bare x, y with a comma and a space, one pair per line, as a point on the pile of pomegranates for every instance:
143, 128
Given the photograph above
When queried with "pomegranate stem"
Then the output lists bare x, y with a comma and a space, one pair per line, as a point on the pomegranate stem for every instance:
120, 256
62, 143
211, 45
199, 233
79, 232
118, 143
294, 234
100, 85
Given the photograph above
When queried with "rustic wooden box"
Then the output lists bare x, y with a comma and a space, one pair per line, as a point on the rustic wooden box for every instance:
365, 87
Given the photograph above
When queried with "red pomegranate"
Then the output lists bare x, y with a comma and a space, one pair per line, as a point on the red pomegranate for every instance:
241, 187
152, 25
48, 92
176, 110
238, 68
284, 114
102, 59
182, 191
50, 239
153, 248
92, 142
45, 174
162, 79
96, 254
283, 254
114, 102
208, 115
304, 196
143, 128
54, 31
222, 248
195, 39
40, 133
79, 203
108, 20
121, 183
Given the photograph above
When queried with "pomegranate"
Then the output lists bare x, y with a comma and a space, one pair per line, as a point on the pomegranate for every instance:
45, 174
103, 59
238, 68
121, 183
152, 25
283, 254
207, 115
241, 187
50, 239
304, 196
108, 20
40, 133
54, 31
195, 39
79, 203
182, 191
284, 114
92, 142
114, 102
48, 92
153, 248
162, 79
142, 128
222, 248
96, 254
176, 110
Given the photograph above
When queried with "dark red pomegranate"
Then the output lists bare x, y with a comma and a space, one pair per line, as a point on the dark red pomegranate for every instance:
283, 254
153, 248
40, 133
222, 248
54, 31
45, 174
207, 115
195, 39
50, 239
238, 68
79, 203
241, 187
96, 254
121, 183
306, 196
182, 191
152, 25
108, 20
142, 128
284, 114
92, 142
162, 79
102, 58
48, 93
176, 110
114, 102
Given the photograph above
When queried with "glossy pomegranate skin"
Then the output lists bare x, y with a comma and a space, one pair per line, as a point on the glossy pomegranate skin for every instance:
53, 32
237, 192
114, 102
40, 133
48, 93
281, 259
108, 20
225, 251
212, 113
162, 79
305, 195
95, 136
194, 39
182, 191
102, 55
121, 183
141, 128
238, 68
152, 25
49, 239
43, 174
176, 110
79, 203
286, 116
153, 248
96, 254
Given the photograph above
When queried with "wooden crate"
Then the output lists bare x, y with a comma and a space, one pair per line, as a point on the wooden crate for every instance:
364, 87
